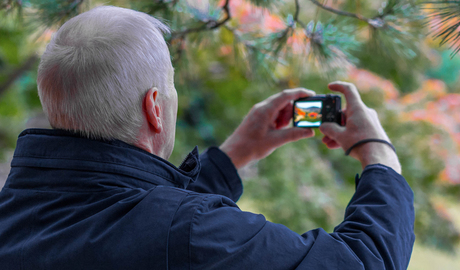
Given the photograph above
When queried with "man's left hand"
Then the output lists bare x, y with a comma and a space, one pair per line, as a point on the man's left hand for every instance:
263, 129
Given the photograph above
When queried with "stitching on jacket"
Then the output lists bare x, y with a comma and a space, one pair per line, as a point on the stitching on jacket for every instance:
112, 163
200, 205
112, 143
170, 225
31, 230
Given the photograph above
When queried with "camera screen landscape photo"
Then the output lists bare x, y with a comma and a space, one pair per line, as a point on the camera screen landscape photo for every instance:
308, 113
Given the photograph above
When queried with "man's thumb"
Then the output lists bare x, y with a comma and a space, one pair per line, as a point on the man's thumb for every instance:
332, 130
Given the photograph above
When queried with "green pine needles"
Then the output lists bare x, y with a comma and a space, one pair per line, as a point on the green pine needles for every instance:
444, 21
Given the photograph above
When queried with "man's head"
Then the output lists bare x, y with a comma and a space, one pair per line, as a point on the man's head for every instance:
98, 71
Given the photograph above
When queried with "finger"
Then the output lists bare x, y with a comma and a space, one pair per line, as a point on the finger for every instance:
280, 100
326, 139
330, 143
350, 92
284, 116
332, 130
284, 136
333, 145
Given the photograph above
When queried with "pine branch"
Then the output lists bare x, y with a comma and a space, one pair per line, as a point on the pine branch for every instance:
259, 59
278, 40
388, 30
446, 17
375, 22
297, 10
340, 12
210, 25
50, 14
179, 37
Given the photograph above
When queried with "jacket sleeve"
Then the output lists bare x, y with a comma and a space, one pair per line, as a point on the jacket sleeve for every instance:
218, 175
377, 233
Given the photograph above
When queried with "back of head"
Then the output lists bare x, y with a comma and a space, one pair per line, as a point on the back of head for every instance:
97, 68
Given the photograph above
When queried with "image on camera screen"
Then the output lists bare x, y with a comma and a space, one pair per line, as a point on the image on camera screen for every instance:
308, 114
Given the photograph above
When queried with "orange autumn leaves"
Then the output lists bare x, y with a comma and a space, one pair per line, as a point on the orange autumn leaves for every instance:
441, 109
431, 103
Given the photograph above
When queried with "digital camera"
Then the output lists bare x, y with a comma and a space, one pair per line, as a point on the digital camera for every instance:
311, 112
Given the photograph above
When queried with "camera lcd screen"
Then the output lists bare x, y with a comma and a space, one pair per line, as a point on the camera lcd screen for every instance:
308, 113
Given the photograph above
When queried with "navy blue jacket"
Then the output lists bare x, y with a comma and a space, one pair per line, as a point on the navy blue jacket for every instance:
74, 203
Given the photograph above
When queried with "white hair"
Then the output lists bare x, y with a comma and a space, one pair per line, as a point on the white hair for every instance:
94, 74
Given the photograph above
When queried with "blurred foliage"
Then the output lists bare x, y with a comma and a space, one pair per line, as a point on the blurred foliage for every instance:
229, 55
447, 69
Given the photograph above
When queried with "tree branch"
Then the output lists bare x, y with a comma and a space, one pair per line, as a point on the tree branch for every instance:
226, 8
297, 10
18, 72
341, 12
296, 15
211, 25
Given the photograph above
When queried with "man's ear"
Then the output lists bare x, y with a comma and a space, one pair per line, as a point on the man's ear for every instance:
153, 110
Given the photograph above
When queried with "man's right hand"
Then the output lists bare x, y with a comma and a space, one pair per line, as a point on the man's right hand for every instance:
361, 123
264, 128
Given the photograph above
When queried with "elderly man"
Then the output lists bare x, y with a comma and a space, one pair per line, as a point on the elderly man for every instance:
97, 191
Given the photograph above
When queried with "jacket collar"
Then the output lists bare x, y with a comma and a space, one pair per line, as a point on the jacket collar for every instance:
67, 150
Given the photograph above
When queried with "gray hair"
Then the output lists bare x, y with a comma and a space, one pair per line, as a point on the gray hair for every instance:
97, 68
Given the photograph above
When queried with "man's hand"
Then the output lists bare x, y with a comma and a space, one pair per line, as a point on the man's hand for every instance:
262, 130
361, 123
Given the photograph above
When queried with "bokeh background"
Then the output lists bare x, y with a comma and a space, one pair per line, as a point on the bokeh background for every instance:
229, 55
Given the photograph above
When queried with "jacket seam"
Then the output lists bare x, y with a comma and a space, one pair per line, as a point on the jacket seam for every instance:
200, 205
169, 229
341, 241
105, 162
31, 230
64, 191
116, 143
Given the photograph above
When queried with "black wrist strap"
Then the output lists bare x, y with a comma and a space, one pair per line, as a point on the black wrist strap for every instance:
366, 141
